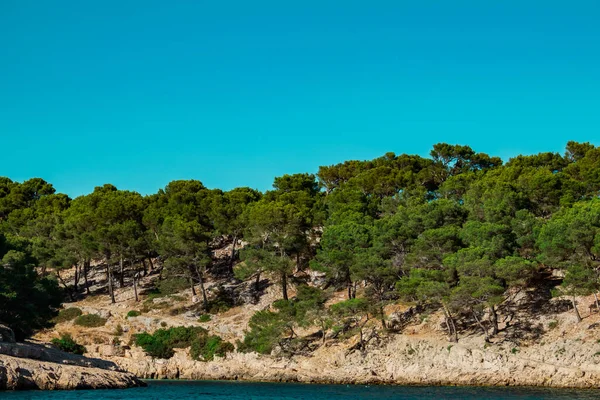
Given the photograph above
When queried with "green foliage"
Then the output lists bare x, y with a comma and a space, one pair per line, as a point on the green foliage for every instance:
221, 302
28, 301
351, 307
204, 318
90, 320
67, 314
457, 229
66, 343
163, 341
266, 329
171, 285
133, 313
206, 348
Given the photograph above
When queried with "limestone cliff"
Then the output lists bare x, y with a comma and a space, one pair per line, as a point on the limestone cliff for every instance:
34, 366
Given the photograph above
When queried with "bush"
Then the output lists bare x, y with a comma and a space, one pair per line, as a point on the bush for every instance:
266, 328
205, 350
118, 330
163, 341
67, 314
204, 318
90, 320
160, 350
68, 344
133, 313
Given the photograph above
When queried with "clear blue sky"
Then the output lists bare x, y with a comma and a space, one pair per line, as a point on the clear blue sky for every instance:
233, 93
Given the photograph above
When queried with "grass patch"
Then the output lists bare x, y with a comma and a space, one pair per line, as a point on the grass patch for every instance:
67, 314
90, 320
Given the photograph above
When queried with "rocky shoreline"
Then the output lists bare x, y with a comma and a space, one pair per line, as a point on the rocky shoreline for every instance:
402, 361
23, 374
32, 366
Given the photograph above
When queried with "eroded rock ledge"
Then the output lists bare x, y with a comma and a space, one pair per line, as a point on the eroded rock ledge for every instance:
21, 373
33, 366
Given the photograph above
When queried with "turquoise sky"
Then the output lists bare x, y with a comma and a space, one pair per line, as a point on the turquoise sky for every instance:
233, 93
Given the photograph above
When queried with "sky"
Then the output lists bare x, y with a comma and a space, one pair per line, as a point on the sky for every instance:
234, 93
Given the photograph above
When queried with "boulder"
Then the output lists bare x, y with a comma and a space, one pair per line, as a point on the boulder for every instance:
6, 334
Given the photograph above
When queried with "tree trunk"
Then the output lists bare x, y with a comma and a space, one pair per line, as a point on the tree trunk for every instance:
76, 278
452, 334
349, 289
284, 285
151, 264
257, 282
145, 266
121, 273
494, 320
203, 290
485, 332
232, 255
597, 302
191, 280
297, 262
362, 340
86, 265
111, 290
135, 278
69, 292
382, 315
576, 310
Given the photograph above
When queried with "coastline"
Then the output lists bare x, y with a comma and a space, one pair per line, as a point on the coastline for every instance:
430, 363
25, 366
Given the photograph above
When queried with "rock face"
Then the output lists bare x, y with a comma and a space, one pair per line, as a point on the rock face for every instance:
31, 366
403, 360
21, 373
6, 334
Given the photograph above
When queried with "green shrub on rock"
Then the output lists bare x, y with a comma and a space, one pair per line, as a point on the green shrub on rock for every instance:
162, 343
204, 318
68, 344
90, 320
207, 349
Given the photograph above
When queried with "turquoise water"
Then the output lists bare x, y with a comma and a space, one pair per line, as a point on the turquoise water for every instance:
211, 390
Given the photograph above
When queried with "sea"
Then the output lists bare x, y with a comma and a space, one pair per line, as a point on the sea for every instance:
221, 390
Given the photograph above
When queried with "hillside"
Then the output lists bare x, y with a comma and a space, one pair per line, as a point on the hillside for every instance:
560, 352
453, 268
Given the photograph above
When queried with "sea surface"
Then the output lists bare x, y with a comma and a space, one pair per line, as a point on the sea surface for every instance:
213, 390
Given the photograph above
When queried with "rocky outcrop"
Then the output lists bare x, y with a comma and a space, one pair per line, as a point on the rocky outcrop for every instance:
35, 366
402, 360
6, 334
20, 373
